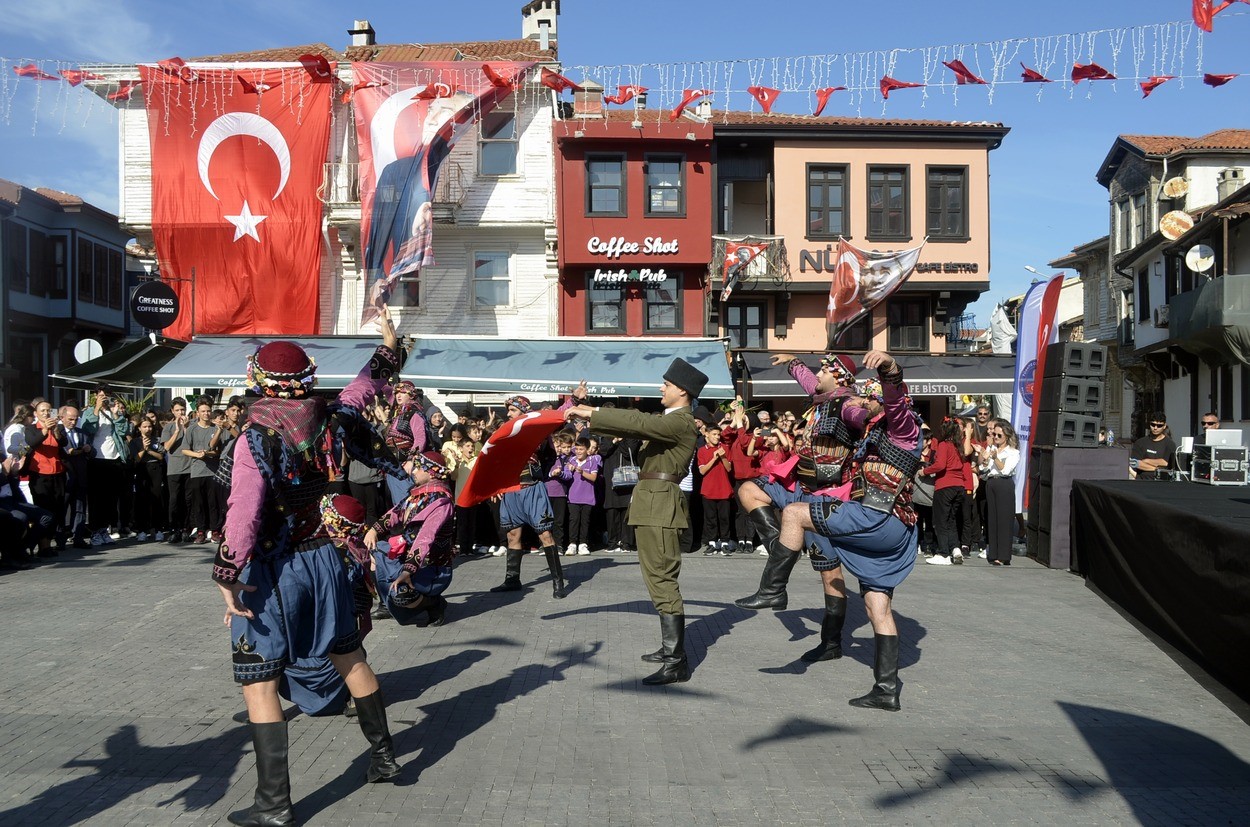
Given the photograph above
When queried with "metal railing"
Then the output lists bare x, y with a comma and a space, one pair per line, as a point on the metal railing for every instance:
340, 184
769, 268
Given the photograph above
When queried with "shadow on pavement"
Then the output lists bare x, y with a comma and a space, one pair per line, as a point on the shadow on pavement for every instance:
406, 684
129, 767
795, 729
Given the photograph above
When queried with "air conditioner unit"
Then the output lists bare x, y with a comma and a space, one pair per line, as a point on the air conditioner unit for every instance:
1162, 314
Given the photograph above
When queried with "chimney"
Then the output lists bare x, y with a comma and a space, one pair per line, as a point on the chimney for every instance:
538, 21
704, 109
588, 103
362, 33
640, 101
1229, 181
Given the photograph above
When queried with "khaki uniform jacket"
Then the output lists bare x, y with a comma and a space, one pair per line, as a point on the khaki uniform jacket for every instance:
669, 447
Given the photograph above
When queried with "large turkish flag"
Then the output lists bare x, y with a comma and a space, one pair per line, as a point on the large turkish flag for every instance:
505, 455
235, 175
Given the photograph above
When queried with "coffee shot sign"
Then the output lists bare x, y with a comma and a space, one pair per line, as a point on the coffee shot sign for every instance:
154, 305
618, 246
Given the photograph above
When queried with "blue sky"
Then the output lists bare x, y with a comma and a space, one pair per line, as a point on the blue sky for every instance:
1044, 199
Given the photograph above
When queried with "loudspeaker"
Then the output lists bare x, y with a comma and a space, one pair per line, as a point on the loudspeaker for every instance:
1077, 359
1052, 471
1067, 394
1066, 430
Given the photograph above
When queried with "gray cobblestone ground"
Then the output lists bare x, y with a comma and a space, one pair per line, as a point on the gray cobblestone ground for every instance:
1027, 700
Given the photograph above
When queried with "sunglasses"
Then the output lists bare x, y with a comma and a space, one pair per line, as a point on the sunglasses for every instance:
999, 433
1158, 424
1209, 424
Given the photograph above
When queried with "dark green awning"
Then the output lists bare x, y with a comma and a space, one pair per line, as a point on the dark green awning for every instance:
131, 365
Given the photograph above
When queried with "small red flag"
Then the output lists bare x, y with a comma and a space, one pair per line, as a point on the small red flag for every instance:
124, 90
33, 72
508, 79
177, 67
1215, 81
557, 81
437, 89
766, 95
1206, 10
962, 73
889, 84
348, 93
318, 67
1090, 71
688, 96
822, 98
624, 94
1033, 76
505, 455
1152, 83
253, 88
77, 76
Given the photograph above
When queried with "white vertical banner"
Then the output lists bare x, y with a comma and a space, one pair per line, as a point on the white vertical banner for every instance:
1036, 330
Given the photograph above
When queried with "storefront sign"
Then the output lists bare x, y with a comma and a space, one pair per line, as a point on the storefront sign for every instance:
623, 276
154, 305
826, 261
932, 389
565, 388
948, 267
618, 246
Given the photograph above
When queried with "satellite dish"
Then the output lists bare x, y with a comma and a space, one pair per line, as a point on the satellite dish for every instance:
1175, 187
87, 349
1200, 258
1175, 224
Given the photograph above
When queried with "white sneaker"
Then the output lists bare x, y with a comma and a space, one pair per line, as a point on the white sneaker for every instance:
957, 556
159, 537
983, 555
583, 549
498, 551
938, 560
761, 551
142, 537
571, 550
115, 535
535, 551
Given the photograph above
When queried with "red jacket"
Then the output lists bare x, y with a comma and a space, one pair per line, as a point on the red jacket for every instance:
947, 468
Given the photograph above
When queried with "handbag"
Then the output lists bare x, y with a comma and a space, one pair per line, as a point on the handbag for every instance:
626, 474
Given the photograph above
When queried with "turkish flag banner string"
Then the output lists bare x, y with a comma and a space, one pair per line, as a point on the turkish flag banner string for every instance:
737, 257
861, 280
408, 118
177, 67
557, 81
1033, 76
505, 455
1216, 81
253, 87
235, 213
1089, 71
77, 76
124, 90
1205, 11
766, 96
318, 67
962, 73
688, 96
889, 84
624, 94
33, 72
1153, 83
822, 98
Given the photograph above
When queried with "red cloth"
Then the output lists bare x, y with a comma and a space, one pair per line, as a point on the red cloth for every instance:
1215, 81
556, 81
32, 71
716, 484
234, 197
1033, 76
688, 96
624, 94
766, 95
822, 97
77, 76
947, 468
1153, 83
1089, 71
962, 73
889, 84
505, 455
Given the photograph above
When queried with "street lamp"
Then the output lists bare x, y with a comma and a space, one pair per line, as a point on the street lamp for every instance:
1035, 272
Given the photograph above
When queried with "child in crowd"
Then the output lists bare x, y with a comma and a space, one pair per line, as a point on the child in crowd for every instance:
714, 465
582, 472
558, 481
148, 456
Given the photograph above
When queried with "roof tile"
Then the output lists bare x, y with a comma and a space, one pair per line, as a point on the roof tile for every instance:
1171, 144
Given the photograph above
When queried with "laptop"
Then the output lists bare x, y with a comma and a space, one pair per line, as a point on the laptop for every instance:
1222, 436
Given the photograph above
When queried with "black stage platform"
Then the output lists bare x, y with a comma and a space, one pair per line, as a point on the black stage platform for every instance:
1176, 556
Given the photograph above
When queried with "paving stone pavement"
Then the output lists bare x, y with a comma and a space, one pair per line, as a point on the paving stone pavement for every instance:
1027, 699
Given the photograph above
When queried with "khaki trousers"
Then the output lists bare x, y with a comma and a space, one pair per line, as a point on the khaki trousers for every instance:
659, 557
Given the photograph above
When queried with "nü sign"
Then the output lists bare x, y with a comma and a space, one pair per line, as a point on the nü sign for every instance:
618, 246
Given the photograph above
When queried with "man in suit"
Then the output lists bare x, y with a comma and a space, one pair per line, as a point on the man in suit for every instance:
658, 512
78, 452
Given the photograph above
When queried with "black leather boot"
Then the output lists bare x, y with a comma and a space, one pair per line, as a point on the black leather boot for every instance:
830, 647
772, 590
512, 576
435, 610
272, 805
767, 524
371, 712
381, 612
557, 571
675, 668
884, 694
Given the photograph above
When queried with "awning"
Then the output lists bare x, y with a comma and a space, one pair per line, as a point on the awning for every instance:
221, 361
131, 365
610, 366
926, 375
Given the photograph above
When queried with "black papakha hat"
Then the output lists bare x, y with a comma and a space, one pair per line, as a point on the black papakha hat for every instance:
686, 376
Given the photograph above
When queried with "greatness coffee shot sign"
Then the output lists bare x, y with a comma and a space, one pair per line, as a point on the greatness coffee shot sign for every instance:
154, 305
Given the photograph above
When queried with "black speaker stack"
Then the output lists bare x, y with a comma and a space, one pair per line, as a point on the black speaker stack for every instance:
1065, 446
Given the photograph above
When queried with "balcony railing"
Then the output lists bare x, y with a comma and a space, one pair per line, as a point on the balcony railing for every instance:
340, 185
769, 270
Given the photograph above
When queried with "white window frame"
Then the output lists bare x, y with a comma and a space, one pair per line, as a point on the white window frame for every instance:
509, 256
508, 105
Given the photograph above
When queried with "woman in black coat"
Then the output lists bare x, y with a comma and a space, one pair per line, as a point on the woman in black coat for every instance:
617, 452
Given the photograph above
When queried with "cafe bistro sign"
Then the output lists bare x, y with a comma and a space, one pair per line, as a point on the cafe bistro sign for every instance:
618, 246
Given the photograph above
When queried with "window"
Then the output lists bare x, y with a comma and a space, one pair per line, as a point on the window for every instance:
1125, 219
100, 274
605, 306
666, 192
947, 203
887, 203
410, 289
1143, 295
605, 185
15, 255
497, 146
38, 264
1139, 218
858, 336
908, 321
117, 277
662, 313
492, 279
1129, 328
826, 201
86, 286
58, 261
744, 325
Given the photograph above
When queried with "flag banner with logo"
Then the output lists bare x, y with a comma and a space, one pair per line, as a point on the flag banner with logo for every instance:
505, 455
1036, 330
408, 118
737, 257
235, 215
861, 280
